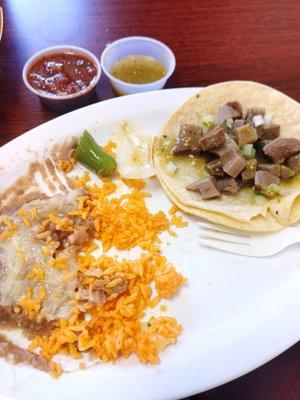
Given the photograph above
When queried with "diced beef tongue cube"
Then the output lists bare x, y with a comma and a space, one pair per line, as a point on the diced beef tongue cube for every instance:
237, 106
274, 169
206, 187
294, 163
237, 123
215, 168
227, 156
286, 172
232, 143
251, 112
188, 140
264, 178
225, 152
223, 125
270, 132
213, 139
229, 111
259, 131
234, 166
245, 134
248, 172
228, 185
260, 155
282, 148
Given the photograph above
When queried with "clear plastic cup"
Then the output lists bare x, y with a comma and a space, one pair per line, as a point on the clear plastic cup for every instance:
137, 45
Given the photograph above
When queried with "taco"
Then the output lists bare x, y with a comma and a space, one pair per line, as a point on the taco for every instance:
231, 154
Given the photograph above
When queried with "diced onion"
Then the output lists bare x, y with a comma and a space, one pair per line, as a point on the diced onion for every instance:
207, 118
207, 122
171, 168
268, 118
258, 120
229, 123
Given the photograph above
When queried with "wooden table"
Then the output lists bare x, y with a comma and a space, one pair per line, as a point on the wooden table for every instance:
213, 41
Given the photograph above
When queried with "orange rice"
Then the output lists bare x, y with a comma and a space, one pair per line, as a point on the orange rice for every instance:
110, 148
66, 165
117, 328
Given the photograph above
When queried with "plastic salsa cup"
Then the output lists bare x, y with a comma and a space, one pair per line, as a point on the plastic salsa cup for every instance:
137, 45
59, 102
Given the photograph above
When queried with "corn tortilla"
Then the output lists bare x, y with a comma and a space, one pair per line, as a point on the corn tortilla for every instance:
245, 210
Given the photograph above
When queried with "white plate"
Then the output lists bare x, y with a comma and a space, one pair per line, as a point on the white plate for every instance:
237, 312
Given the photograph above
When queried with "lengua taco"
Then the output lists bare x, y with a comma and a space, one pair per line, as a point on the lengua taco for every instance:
231, 155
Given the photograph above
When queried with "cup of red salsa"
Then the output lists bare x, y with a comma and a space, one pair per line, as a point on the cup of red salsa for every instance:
63, 77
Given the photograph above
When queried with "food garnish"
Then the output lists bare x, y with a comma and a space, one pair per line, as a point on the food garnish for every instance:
90, 154
248, 151
171, 168
207, 122
271, 190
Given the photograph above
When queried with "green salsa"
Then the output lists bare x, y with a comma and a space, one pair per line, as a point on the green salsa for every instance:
138, 69
164, 146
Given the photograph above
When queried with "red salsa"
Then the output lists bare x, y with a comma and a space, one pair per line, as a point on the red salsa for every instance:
61, 73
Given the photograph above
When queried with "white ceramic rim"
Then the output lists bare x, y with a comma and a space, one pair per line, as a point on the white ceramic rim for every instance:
141, 38
1, 22
65, 48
